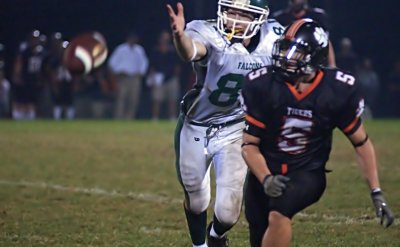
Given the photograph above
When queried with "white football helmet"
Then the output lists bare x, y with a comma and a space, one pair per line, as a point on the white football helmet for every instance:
257, 8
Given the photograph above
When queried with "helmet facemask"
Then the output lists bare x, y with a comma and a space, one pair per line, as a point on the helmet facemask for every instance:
302, 49
292, 60
240, 29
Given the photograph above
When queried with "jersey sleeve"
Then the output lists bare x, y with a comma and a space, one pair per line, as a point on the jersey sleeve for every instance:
203, 32
253, 102
349, 116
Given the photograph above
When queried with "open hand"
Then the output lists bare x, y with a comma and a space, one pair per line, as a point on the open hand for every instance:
382, 209
177, 19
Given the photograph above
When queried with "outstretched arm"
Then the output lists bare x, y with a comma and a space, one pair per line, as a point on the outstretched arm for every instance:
367, 161
187, 48
366, 157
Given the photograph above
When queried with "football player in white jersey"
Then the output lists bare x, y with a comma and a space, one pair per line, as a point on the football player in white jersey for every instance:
210, 126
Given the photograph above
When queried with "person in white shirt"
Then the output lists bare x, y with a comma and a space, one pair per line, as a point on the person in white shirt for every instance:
129, 64
5, 91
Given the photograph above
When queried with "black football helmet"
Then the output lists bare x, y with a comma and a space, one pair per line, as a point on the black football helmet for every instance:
302, 48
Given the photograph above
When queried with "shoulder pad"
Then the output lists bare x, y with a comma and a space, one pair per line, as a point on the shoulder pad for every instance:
272, 27
211, 21
278, 13
340, 79
318, 10
201, 26
258, 81
205, 32
272, 23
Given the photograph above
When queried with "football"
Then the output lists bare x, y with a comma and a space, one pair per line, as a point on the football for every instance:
85, 52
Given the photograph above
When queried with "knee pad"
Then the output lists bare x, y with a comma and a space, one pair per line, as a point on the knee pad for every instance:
228, 205
199, 200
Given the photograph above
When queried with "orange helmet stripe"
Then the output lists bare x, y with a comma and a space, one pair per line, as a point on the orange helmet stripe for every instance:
294, 28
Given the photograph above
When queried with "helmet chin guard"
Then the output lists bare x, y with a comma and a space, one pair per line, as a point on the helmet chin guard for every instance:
257, 8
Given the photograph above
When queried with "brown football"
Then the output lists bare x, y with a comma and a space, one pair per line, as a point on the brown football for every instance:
85, 52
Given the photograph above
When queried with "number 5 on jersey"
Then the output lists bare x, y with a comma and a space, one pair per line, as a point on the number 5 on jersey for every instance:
345, 78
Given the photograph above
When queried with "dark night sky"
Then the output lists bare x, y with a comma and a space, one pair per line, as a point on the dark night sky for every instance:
374, 26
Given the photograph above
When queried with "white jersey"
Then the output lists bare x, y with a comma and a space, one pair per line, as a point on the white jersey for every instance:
221, 73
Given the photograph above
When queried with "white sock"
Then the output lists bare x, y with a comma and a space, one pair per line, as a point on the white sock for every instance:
203, 245
214, 234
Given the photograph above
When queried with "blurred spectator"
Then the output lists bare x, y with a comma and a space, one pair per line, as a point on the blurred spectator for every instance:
63, 94
43, 40
128, 63
59, 79
27, 77
346, 58
102, 93
299, 9
164, 75
2, 57
4, 87
369, 83
393, 91
4, 95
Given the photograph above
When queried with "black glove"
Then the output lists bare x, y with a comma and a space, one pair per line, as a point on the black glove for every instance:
274, 185
188, 99
382, 209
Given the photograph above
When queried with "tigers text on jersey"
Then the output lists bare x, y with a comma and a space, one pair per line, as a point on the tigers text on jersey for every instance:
221, 72
296, 128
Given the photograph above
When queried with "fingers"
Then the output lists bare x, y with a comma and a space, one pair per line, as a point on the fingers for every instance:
281, 181
389, 222
387, 217
176, 18
276, 193
179, 6
280, 184
379, 211
171, 12
275, 185
285, 179
384, 214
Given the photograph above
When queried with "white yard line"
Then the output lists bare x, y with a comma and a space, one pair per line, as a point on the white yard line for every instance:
148, 197
92, 191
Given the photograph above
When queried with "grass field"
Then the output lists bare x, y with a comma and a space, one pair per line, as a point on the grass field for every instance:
92, 183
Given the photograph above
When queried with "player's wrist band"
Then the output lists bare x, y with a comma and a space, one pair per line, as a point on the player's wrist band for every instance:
194, 51
249, 143
356, 145
376, 191
266, 177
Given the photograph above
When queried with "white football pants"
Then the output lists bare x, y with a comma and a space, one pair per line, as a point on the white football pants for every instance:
197, 148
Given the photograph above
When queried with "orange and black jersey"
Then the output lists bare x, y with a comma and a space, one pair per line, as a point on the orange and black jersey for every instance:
296, 128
